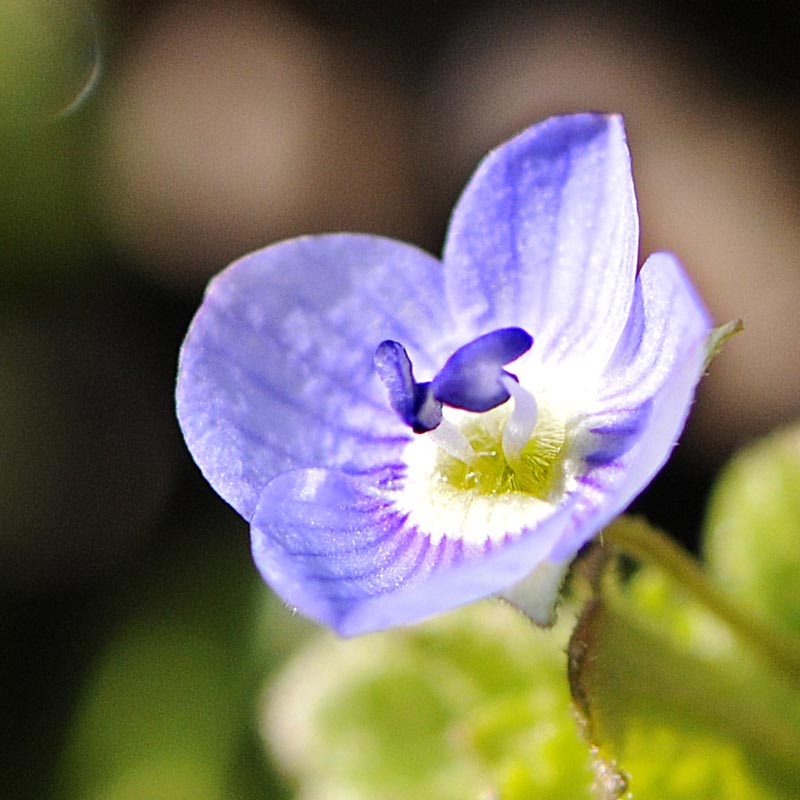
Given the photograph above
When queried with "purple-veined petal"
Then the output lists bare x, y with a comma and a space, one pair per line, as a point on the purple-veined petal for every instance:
545, 236
334, 547
657, 366
666, 318
277, 371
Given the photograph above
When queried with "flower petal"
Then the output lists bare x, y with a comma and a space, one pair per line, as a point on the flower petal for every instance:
666, 320
334, 547
649, 387
277, 372
545, 236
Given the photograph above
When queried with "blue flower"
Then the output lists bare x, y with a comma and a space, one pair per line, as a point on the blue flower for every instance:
405, 435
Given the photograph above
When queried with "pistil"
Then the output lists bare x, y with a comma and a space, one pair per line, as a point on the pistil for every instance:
519, 428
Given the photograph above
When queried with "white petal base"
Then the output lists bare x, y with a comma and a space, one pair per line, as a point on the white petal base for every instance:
536, 595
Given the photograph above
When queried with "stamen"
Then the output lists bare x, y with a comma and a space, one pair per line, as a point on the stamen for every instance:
414, 402
520, 425
471, 378
427, 409
449, 438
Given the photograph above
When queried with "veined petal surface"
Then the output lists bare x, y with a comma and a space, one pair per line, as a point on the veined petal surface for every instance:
335, 547
648, 388
545, 236
277, 371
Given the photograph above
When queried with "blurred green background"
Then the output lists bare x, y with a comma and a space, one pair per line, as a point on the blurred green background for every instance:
145, 145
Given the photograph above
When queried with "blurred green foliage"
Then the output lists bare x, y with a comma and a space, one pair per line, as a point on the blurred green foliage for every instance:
752, 541
689, 706
466, 705
657, 668
48, 55
168, 709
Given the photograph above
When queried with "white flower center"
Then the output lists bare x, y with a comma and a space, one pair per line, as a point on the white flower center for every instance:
482, 476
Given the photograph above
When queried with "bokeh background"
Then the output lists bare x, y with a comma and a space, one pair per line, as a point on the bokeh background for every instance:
145, 145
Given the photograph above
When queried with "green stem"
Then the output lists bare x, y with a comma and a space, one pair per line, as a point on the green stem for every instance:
647, 544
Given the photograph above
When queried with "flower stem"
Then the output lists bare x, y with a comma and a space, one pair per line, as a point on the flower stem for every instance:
639, 539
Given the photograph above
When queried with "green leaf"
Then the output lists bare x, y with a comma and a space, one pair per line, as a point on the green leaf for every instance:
752, 532
471, 705
670, 696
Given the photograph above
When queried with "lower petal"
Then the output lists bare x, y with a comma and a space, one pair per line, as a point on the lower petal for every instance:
335, 547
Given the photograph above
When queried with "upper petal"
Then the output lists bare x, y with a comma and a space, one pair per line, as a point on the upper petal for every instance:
545, 236
277, 372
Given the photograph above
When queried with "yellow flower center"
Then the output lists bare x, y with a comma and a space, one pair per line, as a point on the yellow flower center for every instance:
534, 472
492, 493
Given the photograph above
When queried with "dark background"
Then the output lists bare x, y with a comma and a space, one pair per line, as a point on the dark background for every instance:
217, 128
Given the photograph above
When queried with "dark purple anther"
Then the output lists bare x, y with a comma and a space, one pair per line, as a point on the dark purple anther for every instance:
414, 402
471, 377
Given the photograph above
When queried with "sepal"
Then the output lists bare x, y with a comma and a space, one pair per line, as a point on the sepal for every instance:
719, 336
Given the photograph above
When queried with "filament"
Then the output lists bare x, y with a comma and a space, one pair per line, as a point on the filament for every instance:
449, 438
